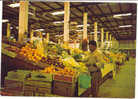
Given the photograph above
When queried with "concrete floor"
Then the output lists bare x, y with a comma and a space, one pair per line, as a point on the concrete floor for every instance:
124, 84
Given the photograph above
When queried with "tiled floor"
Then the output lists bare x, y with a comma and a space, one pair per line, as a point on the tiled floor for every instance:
124, 84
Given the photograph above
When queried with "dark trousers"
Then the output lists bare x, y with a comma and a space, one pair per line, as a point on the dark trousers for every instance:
96, 78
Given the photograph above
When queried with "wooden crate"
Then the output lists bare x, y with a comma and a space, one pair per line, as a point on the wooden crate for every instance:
40, 94
29, 88
63, 78
64, 88
13, 85
44, 90
38, 83
14, 92
28, 93
39, 76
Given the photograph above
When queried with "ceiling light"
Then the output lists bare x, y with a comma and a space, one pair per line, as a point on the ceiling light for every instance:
58, 22
11, 28
30, 13
123, 26
5, 20
39, 30
93, 32
14, 5
119, 15
79, 30
58, 13
43, 33
82, 25
17, 27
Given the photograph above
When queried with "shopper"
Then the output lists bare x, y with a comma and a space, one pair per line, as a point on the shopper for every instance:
94, 62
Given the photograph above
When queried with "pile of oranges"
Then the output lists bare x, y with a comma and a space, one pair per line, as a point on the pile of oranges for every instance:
56, 70
31, 54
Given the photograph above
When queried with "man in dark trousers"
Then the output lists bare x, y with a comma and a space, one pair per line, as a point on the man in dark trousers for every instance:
94, 61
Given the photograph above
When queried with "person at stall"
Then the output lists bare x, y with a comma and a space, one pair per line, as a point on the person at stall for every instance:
94, 61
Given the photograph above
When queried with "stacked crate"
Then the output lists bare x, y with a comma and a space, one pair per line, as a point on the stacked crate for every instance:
65, 85
13, 83
39, 84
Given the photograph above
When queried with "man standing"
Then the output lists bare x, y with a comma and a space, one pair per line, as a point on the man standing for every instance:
94, 61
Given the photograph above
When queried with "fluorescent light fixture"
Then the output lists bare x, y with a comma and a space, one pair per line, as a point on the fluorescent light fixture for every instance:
58, 35
82, 25
93, 32
79, 30
17, 27
58, 22
58, 13
39, 30
123, 26
11, 28
43, 33
5, 20
119, 15
14, 5
30, 13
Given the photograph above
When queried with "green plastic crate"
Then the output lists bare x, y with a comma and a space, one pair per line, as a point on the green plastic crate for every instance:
41, 76
38, 83
18, 75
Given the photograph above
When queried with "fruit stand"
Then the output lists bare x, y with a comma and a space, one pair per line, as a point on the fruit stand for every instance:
56, 73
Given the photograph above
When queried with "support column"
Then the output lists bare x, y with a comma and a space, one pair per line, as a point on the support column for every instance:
23, 20
110, 41
85, 26
102, 37
66, 22
107, 39
47, 37
95, 31
8, 30
59, 42
107, 36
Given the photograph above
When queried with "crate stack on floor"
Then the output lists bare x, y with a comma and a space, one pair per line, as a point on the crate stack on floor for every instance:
65, 85
14, 82
28, 83
38, 84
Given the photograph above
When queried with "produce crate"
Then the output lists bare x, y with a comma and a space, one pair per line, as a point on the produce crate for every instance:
28, 93
14, 92
36, 83
18, 75
44, 90
64, 88
40, 94
41, 87
13, 85
41, 76
64, 78
29, 88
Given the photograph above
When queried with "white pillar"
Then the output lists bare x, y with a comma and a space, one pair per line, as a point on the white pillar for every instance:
110, 41
8, 30
95, 31
102, 37
107, 40
23, 20
66, 21
47, 37
107, 36
85, 25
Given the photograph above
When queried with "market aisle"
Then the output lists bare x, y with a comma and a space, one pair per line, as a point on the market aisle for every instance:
124, 84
